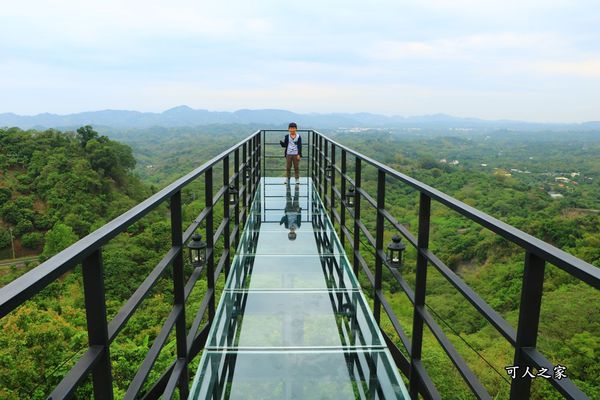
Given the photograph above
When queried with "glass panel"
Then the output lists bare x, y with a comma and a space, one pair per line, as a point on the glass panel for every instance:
274, 180
292, 322
283, 190
305, 272
291, 242
293, 319
298, 375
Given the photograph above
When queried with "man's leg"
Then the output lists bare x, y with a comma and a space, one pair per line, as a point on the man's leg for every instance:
296, 167
288, 166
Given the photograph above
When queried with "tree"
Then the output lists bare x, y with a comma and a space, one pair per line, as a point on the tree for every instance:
5, 195
23, 227
11, 213
32, 240
57, 239
85, 134
4, 238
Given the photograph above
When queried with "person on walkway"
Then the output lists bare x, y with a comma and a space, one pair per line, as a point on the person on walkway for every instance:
292, 142
292, 219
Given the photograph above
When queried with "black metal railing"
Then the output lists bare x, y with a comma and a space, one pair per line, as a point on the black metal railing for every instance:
88, 251
537, 253
320, 153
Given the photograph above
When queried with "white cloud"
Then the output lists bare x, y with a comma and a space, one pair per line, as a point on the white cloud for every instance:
468, 46
586, 68
412, 57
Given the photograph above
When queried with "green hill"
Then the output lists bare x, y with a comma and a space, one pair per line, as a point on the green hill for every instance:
56, 187
61, 185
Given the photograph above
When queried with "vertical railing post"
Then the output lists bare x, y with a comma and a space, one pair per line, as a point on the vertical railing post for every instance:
236, 212
309, 147
255, 161
246, 186
226, 209
342, 203
97, 327
320, 168
332, 183
210, 245
264, 159
325, 180
529, 317
313, 159
420, 287
261, 138
357, 184
253, 165
312, 155
178, 291
379, 244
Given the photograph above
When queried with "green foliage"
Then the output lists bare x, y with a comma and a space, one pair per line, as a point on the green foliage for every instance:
85, 134
74, 183
489, 264
11, 213
5, 195
23, 227
4, 238
57, 239
32, 240
76, 179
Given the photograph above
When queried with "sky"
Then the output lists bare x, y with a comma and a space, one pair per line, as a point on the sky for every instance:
531, 60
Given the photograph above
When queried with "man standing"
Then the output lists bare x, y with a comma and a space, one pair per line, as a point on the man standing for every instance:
293, 151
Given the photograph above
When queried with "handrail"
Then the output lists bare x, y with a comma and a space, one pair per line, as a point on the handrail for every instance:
27, 285
321, 153
575, 266
88, 251
537, 253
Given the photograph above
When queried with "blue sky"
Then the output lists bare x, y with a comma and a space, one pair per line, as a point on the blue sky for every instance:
531, 60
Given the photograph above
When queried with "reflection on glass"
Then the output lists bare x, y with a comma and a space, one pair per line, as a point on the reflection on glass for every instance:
292, 322
292, 218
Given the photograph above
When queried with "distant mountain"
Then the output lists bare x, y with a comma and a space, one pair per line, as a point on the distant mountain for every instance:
184, 116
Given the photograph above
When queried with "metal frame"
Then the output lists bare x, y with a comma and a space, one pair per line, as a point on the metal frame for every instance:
88, 251
321, 153
537, 253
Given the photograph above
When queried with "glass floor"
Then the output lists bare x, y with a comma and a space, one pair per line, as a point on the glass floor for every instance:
292, 322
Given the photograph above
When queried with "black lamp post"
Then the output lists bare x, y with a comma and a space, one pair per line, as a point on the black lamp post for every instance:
394, 252
329, 171
233, 194
247, 172
350, 196
197, 250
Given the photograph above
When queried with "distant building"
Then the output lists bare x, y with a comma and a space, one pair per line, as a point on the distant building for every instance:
484, 165
562, 179
454, 162
502, 172
555, 195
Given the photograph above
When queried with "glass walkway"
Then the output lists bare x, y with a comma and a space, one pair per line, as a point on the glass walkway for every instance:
292, 322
